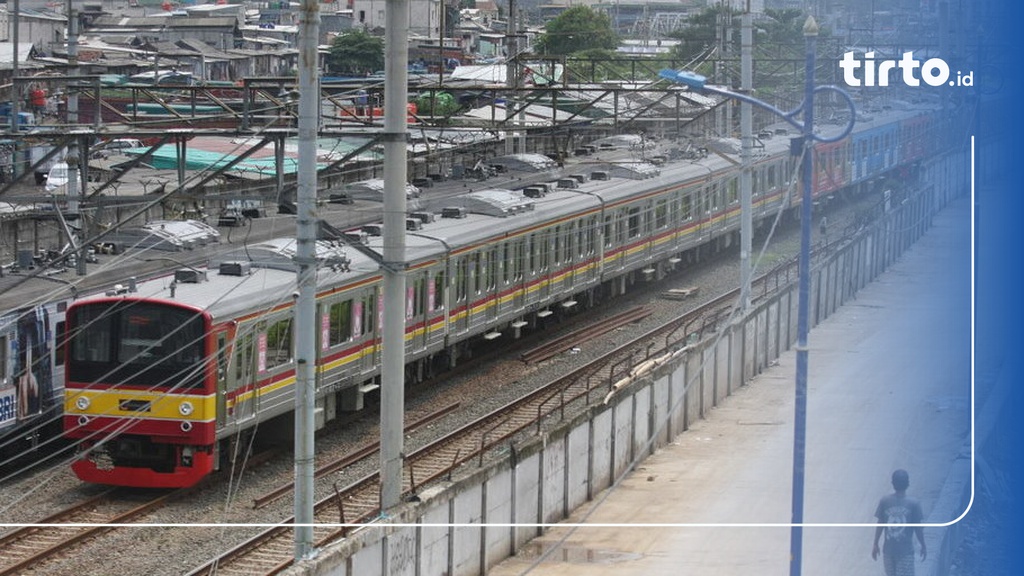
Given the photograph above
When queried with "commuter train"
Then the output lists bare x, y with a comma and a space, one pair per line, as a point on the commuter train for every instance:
160, 378
32, 319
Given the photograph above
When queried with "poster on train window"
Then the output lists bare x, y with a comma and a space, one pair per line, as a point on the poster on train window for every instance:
325, 329
261, 352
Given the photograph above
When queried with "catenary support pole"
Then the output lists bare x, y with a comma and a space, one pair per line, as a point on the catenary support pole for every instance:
396, 94
746, 152
305, 258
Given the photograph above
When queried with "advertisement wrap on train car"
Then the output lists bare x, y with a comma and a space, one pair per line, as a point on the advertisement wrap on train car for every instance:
8, 407
26, 370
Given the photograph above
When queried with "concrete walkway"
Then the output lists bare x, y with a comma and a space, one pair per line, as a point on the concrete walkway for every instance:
889, 387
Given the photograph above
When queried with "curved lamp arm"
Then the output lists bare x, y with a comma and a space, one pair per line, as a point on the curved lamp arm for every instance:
698, 82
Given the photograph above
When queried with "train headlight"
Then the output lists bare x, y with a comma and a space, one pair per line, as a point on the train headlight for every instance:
81, 402
185, 408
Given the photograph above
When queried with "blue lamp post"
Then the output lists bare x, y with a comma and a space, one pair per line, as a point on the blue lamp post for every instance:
698, 82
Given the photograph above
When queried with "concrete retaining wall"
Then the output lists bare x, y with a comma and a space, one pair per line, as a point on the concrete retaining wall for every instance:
465, 526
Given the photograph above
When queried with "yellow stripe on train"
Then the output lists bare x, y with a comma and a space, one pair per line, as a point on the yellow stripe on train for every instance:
140, 404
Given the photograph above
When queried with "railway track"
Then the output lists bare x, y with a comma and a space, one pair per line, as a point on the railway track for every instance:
28, 546
566, 342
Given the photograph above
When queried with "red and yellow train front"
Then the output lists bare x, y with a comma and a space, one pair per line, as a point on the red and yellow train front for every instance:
139, 395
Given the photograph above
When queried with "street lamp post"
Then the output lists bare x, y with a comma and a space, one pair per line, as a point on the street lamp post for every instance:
800, 419
807, 139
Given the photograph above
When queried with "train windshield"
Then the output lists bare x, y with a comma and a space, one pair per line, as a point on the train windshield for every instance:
137, 344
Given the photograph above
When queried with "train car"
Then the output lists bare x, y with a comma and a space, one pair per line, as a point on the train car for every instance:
159, 379
875, 147
31, 376
831, 170
34, 295
139, 253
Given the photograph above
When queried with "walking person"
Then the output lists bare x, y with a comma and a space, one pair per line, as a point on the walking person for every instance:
899, 512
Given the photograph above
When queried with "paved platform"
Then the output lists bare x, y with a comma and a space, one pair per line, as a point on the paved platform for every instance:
889, 387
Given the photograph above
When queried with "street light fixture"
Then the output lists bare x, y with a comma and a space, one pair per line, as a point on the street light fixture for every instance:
806, 142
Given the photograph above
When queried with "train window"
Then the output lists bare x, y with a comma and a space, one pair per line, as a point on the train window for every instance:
581, 238
493, 265
369, 314
479, 272
732, 191
661, 214
340, 322
755, 181
96, 348
686, 210
279, 343
634, 222
592, 239
542, 250
413, 290
461, 279
556, 251
520, 257
506, 263
609, 235
59, 350
531, 251
222, 356
570, 238
437, 294
772, 177
243, 358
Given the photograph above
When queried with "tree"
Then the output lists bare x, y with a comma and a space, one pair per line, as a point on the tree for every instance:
578, 28
356, 53
699, 34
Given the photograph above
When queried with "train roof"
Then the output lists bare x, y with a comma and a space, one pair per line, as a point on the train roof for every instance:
253, 278
621, 169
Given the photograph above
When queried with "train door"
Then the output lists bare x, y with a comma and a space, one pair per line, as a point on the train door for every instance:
700, 214
519, 272
222, 378
634, 236
567, 256
592, 248
532, 274
684, 217
714, 209
245, 374
463, 292
366, 318
506, 284
494, 272
614, 240
416, 320
437, 305
480, 289
731, 198
542, 257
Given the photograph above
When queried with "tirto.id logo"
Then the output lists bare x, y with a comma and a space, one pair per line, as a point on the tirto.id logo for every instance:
934, 71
